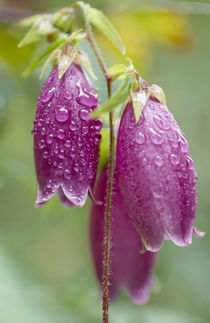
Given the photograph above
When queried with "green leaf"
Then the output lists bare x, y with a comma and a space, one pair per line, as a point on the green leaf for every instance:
41, 28
40, 59
29, 21
118, 71
119, 97
101, 22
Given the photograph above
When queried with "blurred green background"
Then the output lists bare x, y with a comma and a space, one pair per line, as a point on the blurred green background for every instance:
46, 272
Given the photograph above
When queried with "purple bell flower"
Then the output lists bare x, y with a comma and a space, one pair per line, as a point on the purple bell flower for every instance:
66, 140
157, 176
131, 269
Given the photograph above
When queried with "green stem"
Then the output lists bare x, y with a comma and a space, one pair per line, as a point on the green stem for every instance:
108, 211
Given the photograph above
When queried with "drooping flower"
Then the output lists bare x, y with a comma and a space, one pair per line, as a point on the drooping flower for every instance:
157, 176
130, 269
66, 140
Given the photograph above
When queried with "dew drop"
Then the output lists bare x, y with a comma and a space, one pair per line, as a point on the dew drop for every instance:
72, 153
61, 114
84, 130
76, 167
45, 154
68, 95
161, 123
83, 162
50, 139
87, 100
42, 144
67, 144
73, 72
158, 161
174, 159
43, 131
140, 139
184, 146
61, 154
72, 126
83, 114
60, 134
90, 174
156, 138
47, 96
190, 163
92, 131
67, 174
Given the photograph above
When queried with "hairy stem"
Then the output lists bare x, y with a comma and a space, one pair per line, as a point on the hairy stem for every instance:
108, 211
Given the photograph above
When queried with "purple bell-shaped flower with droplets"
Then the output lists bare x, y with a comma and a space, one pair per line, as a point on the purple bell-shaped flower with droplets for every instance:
131, 267
157, 176
66, 139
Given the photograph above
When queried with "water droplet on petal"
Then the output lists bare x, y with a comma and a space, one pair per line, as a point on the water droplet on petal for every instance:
158, 161
61, 114
174, 159
190, 163
42, 144
87, 100
156, 138
184, 146
60, 134
76, 167
83, 114
84, 130
73, 126
68, 95
83, 162
43, 131
45, 154
140, 139
50, 139
61, 154
67, 174
47, 96
67, 144
72, 153
161, 123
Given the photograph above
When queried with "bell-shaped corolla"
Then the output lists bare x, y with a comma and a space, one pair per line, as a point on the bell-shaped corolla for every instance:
66, 139
131, 266
157, 176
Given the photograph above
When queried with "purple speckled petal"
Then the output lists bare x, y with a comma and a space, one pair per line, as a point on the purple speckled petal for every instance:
66, 140
157, 176
129, 269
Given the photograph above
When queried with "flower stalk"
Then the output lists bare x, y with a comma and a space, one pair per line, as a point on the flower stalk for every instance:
111, 165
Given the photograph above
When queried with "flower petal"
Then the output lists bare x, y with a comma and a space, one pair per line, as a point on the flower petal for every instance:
129, 269
66, 140
157, 175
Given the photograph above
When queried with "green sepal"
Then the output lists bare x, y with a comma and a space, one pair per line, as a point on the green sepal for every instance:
119, 97
54, 55
65, 58
40, 59
83, 59
157, 92
139, 98
118, 71
102, 23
